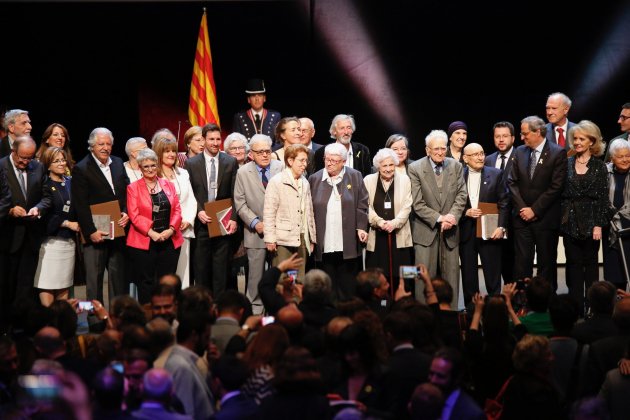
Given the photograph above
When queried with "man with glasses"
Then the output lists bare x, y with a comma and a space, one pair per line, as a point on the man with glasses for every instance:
21, 235
439, 198
101, 178
624, 125
17, 124
484, 185
535, 182
249, 200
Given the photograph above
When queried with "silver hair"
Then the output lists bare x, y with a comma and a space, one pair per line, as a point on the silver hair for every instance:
96, 132
396, 138
565, 99
235, 137
336, 149
617, 145
146, 154
162, 133
436, 134
260, 138
11, 116
338, 118
383, 154
23, 140
317, 282
535, 123
132, 142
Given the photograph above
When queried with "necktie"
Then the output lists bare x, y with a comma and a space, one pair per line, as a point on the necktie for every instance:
532, 163
560, 136
213, 181
257, 122
502, 162
22, 181
265, 181
438, 169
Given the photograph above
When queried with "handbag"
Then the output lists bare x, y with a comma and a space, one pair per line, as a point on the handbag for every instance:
493, 407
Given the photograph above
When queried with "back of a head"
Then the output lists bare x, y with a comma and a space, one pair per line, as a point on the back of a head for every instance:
531, 354
317, 286
194, 299
160, 335
48, 342
157, 385
398, 324
190, 323
230, 301
65, 318
290, 317
564, 313
443, 290
298, 370
495, 318
231, 371
621, 315
174, 281
127, 311
601, 297
109, 387
426, 402
267, 347
367, 281
538, 294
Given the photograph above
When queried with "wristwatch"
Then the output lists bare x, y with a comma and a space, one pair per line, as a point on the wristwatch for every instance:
245, 327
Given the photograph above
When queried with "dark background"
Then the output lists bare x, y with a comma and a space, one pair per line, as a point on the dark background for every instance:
127, 66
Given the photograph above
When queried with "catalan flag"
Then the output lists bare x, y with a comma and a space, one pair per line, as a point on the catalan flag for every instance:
202, 108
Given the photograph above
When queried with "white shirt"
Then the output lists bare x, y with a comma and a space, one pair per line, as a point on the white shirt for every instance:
474, 182
564, 131
497, 164
350, 158
104, 167
209, 159
333, 241
18, 173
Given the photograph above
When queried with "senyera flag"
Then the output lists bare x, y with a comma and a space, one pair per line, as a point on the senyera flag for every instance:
202, 108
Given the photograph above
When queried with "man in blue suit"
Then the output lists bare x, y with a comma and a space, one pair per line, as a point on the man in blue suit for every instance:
557, 110
484, 184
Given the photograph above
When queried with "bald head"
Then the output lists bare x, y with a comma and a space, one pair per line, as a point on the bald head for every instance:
337, 324
49, 343
290, 316
158, 385
474, 156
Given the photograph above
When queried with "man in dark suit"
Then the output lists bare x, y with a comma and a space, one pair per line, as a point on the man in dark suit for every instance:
17, 124
439, 198
101, 178
212, 176
486, 185
5, 197
446, 372
503, 135
21, 236
230, 374
536, 180
624, 125
557, 109
257, 119
308, 132
341, 129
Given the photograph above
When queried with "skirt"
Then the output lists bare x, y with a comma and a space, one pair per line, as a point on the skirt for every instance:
55, 269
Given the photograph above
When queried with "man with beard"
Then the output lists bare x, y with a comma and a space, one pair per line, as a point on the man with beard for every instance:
341, 130
164, 304
17, 124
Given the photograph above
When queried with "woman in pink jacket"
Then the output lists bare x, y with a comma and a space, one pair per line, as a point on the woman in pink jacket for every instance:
154, 238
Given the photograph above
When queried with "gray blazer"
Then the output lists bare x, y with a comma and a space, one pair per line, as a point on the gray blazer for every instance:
249, 199
428, 205
354, 209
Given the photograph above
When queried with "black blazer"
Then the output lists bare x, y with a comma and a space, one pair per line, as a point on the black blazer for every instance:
243, 124
542, 192
89, 186
226, 178
491, 190
12, 236
362, 161
5, 196
491, 160
5, 147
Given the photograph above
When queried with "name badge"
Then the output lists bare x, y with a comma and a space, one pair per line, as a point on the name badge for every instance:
213, 185
66, 208
388, 205
156, 209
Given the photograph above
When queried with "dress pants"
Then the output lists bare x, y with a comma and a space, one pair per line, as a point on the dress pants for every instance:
212, 262
109, 255
530, 240
149, 265
343, 274
440, 260
489, 252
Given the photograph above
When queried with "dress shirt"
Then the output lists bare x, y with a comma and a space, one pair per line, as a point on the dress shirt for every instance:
104, 167
18, 173
333, 241
350, 158
507, 154
474, 184
208, 159
564, 131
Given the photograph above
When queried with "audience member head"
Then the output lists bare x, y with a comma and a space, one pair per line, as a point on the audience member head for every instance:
125, 310
108, 346
564, 312
9, 360
174, 281
267, 347
137, 362
443, 291
160, 334
108, 388
357, 350
231, 371
495, 319
232, 304
194, 299
317, 286
426, 403
157, 386
193, 331
532, 354
372, 284
447, 369
398, 328
49, 343
621, 314
297, 371
601, 297
135, 337
163, 302
538, 294
65, 318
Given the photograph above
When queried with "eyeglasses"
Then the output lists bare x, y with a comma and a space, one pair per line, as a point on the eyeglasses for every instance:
148, 167
262, 152
236, 148
437, 149
24, 158
399, 149
624, 117
477, 155
333, 161
58, 161
525, 133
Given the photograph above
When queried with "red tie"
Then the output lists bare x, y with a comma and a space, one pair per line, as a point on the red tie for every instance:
560, 136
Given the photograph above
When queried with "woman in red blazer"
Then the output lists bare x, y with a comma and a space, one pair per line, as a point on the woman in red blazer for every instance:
154, 238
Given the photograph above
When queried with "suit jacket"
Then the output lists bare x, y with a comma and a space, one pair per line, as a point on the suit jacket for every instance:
428, 205
466, 408
491, 160
406, 369
354, 210
238, 407
541, 192
402, 205
244, 123
362, 161
140, 208
5, 196
17, 228
551, 134
89, 186
226, 178
249, 199
492, 189
315, 146
223, 330
5, 147
55, 216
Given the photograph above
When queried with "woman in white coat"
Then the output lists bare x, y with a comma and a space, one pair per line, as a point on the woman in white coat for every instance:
389, 242
166, 150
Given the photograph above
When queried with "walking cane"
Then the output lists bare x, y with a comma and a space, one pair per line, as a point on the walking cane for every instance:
391, 269
620, 233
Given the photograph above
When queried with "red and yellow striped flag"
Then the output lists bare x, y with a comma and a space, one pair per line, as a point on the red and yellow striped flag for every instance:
202, 108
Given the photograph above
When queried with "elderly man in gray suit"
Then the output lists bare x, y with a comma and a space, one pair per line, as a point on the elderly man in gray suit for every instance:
249, 200
439, 198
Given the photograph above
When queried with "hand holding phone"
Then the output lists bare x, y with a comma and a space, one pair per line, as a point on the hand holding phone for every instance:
86, 305
293, 276
266, 320
408, 271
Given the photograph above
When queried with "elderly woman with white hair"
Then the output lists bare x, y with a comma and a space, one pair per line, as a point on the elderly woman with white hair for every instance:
236, 146
132, 147
340, 204
389, 242
619, 196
